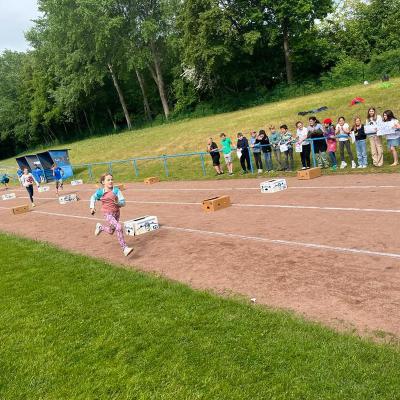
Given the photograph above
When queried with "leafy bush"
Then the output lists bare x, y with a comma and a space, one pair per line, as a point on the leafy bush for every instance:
385, 63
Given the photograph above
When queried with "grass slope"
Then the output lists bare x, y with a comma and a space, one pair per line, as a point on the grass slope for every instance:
72, 327
191, 135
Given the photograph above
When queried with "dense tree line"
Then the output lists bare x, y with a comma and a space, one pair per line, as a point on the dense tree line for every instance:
97, 65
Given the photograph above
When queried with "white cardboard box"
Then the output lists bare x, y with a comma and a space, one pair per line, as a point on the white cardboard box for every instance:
42, 189
141, 225
273, 186
68, 198
9, 196
77, 182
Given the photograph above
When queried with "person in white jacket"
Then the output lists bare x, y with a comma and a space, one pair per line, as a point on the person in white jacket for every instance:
27, 181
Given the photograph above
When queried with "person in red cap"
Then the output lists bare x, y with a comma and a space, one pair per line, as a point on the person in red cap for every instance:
329, 133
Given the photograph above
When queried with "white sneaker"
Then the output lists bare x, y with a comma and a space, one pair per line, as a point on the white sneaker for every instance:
360, 166
353, 164
33, 205
97, 230
343, 164
260, 171
364, 166
127, 251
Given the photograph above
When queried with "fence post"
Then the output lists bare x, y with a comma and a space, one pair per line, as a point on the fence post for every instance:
110, 167
251, 162
90, 172
313, 153
134, 163
203, 166
165, 166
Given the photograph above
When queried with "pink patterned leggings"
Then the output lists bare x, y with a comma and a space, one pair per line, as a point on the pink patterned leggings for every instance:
114, 225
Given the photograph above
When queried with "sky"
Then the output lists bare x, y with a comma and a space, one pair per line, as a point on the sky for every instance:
15, 19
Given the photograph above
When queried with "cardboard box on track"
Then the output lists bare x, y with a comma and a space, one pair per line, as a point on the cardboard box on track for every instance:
306, 174
216, 203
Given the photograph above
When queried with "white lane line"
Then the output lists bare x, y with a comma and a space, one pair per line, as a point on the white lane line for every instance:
295, 207
287, 242
250, 238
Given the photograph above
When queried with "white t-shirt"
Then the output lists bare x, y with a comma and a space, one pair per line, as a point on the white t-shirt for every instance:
388, 129
342, 129
302, 135
27, 180
373, 125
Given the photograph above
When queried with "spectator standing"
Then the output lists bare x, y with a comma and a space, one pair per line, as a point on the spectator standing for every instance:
243, 146
361, 143
392, 131
226, 144
286, 143
330, 136
371, 129
316, 132
302, 136
343, 130
263, 141
212, 148
275, 139
256, 151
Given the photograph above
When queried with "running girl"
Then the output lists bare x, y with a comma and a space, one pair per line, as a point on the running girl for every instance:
112, 200
58, 174
27, 181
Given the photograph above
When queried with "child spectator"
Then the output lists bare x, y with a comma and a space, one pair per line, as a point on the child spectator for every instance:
263, 141
274, 139
302, 136
316, 132
226, 144
371, 129
343, 129
361, 142
243, 146
286, 142
5, 181
329, 133
392, 127
256, 152
212, 148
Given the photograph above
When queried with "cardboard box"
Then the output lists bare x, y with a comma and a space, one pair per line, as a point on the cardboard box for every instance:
9, 196
273, 186
141, 225
77, 182
216, 203
151, 180
20, 209
311, 173
68, 198
42, 189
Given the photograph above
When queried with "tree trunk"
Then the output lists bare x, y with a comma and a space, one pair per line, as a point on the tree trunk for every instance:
146, 105
156, 73
77, 123
87, 122
112, 119
120, 95
288, 61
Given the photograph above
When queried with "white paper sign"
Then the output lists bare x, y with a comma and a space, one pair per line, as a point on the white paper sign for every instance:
77, 182
9, 196
42, 189
298, 148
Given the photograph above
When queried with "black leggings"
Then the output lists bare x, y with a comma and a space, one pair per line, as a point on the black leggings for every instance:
245, 159
257, 158
30, 192
305, 156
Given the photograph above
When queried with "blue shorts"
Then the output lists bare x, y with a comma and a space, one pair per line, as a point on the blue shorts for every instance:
393, 143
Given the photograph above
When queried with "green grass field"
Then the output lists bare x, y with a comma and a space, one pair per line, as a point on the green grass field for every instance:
191, 135
72, 327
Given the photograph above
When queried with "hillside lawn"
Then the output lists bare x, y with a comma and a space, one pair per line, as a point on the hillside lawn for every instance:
72, 327
191, 135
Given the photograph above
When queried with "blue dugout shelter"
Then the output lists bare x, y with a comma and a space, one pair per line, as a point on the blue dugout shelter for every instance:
59, 157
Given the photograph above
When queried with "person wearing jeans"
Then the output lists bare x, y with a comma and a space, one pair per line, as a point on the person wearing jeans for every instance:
361, 143
316, 132
263, 142
329, 134
286, 140
256, 152
274, 139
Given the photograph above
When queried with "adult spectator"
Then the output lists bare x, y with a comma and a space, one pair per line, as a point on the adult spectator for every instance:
212, 148
256, 151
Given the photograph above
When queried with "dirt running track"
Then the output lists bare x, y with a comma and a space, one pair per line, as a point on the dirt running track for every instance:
328, 249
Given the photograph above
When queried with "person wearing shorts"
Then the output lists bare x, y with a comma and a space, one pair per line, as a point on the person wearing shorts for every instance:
212, 148
226, 144
58, 175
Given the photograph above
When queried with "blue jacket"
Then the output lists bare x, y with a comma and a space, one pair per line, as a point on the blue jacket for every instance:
99, 194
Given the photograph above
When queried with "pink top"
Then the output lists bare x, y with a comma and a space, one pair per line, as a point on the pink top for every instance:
109, 203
